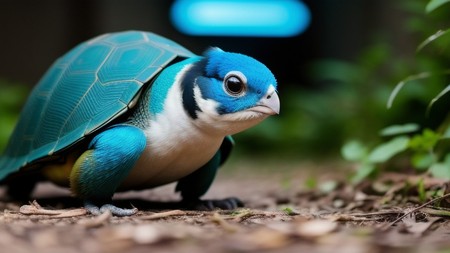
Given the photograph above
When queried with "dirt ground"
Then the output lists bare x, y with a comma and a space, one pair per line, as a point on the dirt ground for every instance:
298, 207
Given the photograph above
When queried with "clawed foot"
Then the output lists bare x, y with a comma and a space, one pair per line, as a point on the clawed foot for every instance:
117, 211
208, 205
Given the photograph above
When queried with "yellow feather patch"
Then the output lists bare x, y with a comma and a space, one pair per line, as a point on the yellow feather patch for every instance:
75, 173
59, 173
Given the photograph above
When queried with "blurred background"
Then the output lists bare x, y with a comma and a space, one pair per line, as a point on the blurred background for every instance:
335, 74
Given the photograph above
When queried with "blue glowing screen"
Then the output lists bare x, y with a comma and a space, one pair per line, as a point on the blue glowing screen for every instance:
260, 18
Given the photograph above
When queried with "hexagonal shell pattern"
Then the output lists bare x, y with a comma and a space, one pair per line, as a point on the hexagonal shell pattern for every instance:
85, 89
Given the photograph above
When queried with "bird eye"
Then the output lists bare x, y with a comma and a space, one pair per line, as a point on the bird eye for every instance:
235, 83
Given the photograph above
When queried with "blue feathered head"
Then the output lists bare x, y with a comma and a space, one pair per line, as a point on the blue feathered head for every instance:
237, 82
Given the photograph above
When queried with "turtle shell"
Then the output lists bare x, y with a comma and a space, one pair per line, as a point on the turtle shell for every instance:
85, 89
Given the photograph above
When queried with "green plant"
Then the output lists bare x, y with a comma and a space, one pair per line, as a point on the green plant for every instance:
424, 151
412, 145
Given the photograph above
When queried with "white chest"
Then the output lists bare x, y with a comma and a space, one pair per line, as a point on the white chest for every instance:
175, 147
168, 158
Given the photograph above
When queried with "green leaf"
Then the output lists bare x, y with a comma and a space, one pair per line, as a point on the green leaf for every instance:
423, 160
410, 78
399, 129
434, 4
446, 134
363, 172
432, 38
387, 150
354, 151
289, 211
442, 93
425, 141
402, 83
441, 170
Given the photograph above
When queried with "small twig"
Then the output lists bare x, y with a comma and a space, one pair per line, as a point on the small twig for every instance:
36, 204
217, 218
437, 212
243, 216
70, 213
415, 210
35, 209
349, 217
376, 213
156, 216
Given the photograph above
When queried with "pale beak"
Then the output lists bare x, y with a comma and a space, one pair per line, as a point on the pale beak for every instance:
269, 104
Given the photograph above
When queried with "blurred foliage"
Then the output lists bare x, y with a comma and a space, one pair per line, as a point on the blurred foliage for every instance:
434, 4
416, 146
12, 97
348, 100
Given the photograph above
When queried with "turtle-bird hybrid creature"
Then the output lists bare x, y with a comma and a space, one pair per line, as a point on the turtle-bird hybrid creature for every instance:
133, 110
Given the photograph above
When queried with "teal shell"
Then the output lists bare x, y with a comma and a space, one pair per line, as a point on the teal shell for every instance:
86, 88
